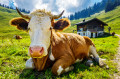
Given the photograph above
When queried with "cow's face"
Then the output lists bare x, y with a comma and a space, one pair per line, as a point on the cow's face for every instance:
40, 34
39, 30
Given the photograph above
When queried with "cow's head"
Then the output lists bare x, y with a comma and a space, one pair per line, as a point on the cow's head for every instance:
38, 25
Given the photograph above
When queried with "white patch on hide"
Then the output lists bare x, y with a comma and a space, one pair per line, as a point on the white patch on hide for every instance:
52, 57
62, 36
68, 37
30, 64
79, 60
60, 69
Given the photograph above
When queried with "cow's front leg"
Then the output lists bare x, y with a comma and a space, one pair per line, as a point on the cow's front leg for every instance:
30, 64
96, 57
62, 65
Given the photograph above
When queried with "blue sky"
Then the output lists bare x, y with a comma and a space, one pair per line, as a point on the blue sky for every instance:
56, 6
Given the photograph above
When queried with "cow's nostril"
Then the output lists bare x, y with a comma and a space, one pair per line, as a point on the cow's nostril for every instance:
41, 51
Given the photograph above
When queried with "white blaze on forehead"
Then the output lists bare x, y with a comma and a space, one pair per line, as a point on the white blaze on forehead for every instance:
60, 69
40, 31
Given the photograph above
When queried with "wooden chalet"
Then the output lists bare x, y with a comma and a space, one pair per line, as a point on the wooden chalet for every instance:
91, 28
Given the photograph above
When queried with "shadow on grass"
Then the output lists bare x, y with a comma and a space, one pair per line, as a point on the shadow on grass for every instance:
47, 74
105, 35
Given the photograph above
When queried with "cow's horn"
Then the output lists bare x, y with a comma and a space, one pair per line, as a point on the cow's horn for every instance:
58, 16
23, 15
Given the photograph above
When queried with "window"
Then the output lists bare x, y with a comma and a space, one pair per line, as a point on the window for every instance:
83, 34
88, 33
85, 28
81, 29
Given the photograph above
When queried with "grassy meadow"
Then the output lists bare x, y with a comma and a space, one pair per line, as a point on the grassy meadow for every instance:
13, 53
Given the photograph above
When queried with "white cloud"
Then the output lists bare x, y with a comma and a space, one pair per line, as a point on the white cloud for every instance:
6, 2
71, 6
56, 6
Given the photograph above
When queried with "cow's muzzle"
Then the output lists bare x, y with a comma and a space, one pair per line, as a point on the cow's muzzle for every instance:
36, 51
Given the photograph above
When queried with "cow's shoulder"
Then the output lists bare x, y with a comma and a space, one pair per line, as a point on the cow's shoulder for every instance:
74, 38
58, 37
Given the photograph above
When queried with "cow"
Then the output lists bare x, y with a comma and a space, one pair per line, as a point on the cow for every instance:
17, 37
50, 48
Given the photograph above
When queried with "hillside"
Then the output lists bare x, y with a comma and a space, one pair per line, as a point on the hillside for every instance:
6, 31
113, 20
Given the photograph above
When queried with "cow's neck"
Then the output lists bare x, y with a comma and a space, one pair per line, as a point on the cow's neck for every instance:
40, 63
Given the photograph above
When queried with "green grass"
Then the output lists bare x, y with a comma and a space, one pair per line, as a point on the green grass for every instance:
13, 55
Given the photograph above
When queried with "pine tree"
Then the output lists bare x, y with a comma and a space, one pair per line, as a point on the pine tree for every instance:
108, 6
72, 17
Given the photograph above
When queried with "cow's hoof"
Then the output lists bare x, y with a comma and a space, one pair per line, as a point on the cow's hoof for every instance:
69, 68
89, 63
107, 67
91, 57
29, 64
101, 62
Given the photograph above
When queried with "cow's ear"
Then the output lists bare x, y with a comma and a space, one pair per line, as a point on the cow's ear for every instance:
20, 23
61, 24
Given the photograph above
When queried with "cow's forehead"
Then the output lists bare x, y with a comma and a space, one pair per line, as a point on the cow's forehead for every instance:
41, 13
39, 18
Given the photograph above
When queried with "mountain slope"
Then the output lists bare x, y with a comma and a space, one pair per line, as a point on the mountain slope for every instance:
7, 31
113, 20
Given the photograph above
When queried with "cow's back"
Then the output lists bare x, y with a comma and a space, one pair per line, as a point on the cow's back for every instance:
76, 44
79, 45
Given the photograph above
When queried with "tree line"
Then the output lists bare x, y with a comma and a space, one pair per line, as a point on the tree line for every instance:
10, 7
112, 4
106, 5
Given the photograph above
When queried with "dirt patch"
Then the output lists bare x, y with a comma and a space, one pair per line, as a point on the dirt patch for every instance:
117, 60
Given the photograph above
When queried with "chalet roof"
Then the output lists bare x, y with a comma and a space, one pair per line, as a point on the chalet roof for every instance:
88, 21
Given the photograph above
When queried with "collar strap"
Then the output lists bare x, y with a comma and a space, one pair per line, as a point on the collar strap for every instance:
51, 40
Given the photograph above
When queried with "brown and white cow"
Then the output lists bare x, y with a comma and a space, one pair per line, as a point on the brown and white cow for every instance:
51, 48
